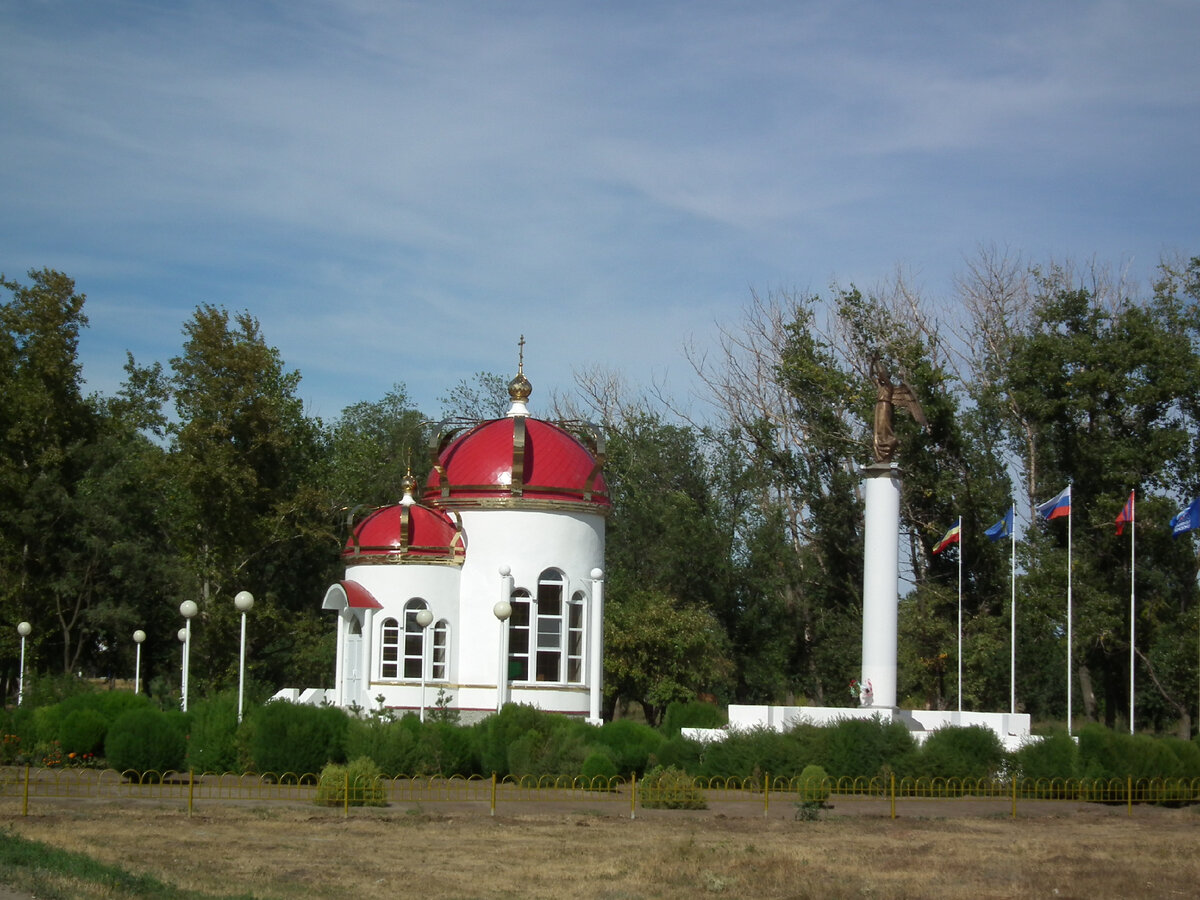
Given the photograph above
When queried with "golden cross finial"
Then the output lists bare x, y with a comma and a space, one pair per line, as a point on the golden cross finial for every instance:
521, 349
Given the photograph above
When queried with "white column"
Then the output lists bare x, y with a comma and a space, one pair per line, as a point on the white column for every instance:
596, 647
339, 664
881, 584
366, 665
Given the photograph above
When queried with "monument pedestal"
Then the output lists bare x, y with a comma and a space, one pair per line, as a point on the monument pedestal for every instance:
881, 584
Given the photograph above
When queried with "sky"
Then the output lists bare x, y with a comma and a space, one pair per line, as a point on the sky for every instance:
398, 191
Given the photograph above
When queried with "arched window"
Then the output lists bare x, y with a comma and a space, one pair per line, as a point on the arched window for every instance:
441, 650
414, 638
575, 639
550, 621
389, 649
518, 636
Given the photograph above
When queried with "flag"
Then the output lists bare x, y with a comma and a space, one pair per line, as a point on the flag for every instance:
1056, 507
1187, 519
1126, 514
951, 537
1003, 528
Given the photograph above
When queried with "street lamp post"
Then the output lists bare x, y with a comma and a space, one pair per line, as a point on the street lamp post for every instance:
182, 634
244, 601
23, 630
187, 609
502, 610
424, 617
138, 637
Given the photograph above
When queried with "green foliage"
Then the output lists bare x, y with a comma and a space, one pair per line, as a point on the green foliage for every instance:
145, 742
297, 739
814, 784
358, 783
598, 770
630, 744
496, 734
973, 751
1111, 754
560, 751
212, 743
669, 788
861, 748
756, 752
680, 753
659, 650
692, 714
83, 731
1056, 755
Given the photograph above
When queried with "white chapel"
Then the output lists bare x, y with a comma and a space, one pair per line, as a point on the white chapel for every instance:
489, 586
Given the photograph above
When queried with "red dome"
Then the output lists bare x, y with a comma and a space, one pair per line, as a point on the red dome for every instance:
406, 533
517, 461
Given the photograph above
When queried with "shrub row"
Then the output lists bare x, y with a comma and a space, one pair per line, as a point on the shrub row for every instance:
523, 742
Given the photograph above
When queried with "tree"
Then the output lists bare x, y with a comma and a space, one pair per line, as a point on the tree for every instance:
372, 448
658, 650
249, 506
45, 426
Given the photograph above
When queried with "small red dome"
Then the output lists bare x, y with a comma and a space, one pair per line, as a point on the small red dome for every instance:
517, 460
406, 533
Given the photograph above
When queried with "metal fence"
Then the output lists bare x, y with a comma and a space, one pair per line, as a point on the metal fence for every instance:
30, 787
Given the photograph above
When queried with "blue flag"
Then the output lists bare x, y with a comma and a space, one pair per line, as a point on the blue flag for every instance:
1003, 528
1187, 519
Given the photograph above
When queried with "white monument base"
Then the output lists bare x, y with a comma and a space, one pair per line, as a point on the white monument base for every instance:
1012, 729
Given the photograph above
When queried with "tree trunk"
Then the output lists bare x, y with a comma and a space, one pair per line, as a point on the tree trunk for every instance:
1089, 694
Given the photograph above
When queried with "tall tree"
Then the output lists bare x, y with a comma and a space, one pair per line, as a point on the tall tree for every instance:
249, 507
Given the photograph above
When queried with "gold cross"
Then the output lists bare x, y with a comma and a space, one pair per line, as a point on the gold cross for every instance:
521, 348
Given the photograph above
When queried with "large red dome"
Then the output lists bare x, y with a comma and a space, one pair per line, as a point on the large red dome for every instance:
517, 461
406, 533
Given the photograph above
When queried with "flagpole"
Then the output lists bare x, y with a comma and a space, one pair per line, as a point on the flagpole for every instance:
1132, 599
1069, 627
1012, 580
960, 633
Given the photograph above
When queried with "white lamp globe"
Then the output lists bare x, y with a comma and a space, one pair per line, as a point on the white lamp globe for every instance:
139, 636
244, 601
424, 617
502, 610
188, 608
24, 629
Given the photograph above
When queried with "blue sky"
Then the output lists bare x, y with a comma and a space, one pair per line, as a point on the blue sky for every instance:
399, 190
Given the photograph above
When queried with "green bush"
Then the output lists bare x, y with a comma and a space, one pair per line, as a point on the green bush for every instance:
1055, 756
495, 735
693, 714
814, 785
598, 772
361, 777
145, 742
536, 754
973, 751
442, 748
669, 788
391, 743
296, 738
82, 732
630, 744
212, 742
679, 752
754, 753
862, 748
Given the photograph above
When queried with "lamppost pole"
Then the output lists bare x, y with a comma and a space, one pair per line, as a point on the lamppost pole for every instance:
187, 609
244, 601
424, 617
502, 610
138, 637
182, 634
23, 630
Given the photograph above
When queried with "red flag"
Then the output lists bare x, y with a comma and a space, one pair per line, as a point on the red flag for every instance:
1126, 514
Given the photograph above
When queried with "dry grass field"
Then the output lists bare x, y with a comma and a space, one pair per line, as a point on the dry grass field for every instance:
290, 851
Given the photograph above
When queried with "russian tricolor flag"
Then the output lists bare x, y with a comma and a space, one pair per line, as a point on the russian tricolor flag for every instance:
1057, 507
